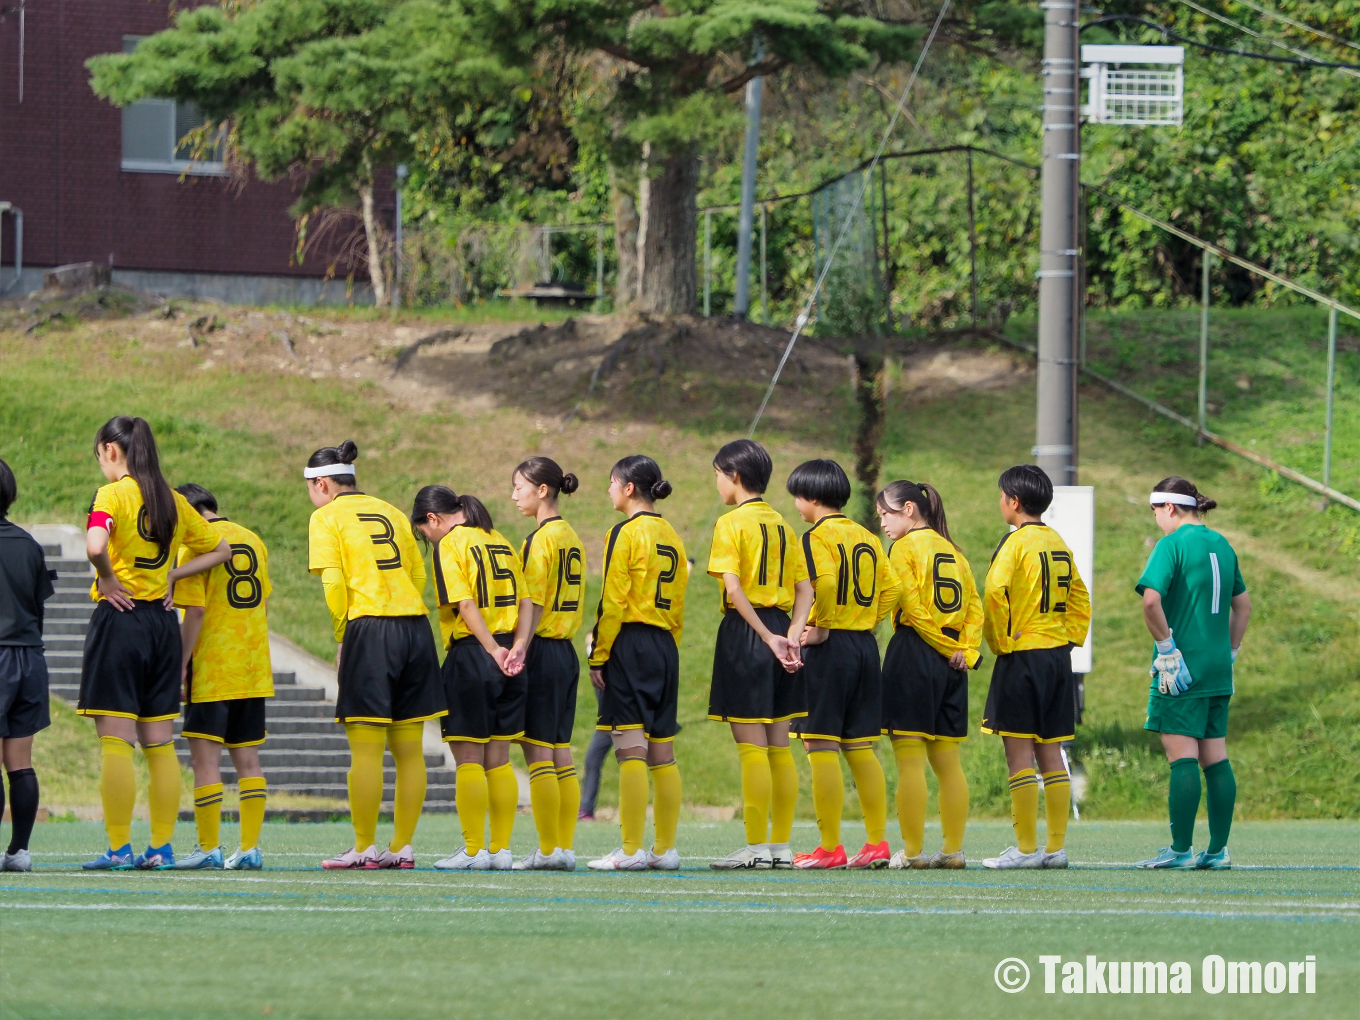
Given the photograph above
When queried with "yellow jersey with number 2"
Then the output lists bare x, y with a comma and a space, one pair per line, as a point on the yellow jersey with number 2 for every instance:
372, 545
645, 574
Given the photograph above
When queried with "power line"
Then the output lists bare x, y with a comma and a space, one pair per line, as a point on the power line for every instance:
1276, 15
1169, 34
1252, 32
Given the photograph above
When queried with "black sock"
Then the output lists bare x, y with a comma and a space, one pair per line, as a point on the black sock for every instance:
23, 800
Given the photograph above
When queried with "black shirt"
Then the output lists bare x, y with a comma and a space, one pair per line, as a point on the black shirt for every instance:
25, 584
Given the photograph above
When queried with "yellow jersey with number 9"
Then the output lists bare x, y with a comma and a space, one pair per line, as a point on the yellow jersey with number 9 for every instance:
372, 544
231, 659
555, 577
472, 565
139, 563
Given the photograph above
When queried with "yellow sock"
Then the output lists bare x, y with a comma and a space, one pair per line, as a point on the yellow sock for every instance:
911, 793
117, 789
1025, 810
569, 801
208, 815
783, 793
163, 798
665, 805
546, 801
251, 793
1057, 804
503, 792
406, 741
872, 786
828, 795
756, 782
365, 781
944, 762
471, 797
632, 803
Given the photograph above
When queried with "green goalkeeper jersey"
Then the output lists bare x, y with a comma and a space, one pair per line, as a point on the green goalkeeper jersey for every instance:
1195, 571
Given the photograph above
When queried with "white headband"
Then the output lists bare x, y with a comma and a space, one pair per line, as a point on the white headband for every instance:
1158, 498
328, 469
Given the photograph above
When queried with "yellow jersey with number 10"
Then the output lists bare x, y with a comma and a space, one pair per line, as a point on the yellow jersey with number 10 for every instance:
645, 574
939, 597
856, 589
372, 545
477, 566
554, 562
1034, 596
231, 659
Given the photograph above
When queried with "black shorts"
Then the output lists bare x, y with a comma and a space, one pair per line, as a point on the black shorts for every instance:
23, 691
922, 696
642, 683
389, 672
749, 684
484, 703
553, 672
1033, 694
235, 723
132, 662
845, 688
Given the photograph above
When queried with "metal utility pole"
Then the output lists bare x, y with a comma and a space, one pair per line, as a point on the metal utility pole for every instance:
397, 266
1055, 435
755, 90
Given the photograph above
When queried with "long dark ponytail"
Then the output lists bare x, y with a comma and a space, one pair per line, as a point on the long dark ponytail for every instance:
896, 495
440, 499
133, 436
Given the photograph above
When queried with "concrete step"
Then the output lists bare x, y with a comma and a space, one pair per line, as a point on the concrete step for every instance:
437, 799
316, 725
439, 785
68, 611
68, 566
63, 643
65, 683
276, 753
64, 628
334, 740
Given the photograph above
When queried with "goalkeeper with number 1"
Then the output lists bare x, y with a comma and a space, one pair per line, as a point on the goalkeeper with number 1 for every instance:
1196, 607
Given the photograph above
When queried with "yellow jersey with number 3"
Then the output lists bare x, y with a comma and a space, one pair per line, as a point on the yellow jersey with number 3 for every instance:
478, 566
939, 597
140, 564
1034, 597
645, 574
856, 589
554, 563
754, 543
372, 545
231, 658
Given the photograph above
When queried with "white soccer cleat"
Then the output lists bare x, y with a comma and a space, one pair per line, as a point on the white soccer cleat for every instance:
669, 861
748, 857
1057, 859
617, 860
954, 862
352, 859
17, 861
900, 861
461, 860
502, 860
539, 861
245, 860
781, 855
403, 859
1013, 858
568, 860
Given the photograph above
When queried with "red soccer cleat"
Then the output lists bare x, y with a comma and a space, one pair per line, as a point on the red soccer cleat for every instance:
821, 859
873, 855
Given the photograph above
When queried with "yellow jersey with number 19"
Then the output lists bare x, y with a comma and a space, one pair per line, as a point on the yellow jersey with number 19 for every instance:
856, 589
477, 566
371, 543
755, 544
554, 562
231, 659
939, 597
645, 574
1034, 596
139, 563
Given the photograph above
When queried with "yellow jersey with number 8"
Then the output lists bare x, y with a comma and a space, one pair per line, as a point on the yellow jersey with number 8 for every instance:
372, 544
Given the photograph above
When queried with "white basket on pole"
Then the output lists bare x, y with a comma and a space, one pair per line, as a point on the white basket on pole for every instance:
1138, 85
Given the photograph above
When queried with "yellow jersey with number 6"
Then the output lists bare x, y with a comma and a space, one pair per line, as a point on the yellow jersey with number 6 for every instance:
371, 543
939, 597
231, 658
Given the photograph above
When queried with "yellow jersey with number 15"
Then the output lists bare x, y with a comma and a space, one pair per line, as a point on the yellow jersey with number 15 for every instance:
371, 543
139, 563
1034, 597
472, 565
231, 659
554, 562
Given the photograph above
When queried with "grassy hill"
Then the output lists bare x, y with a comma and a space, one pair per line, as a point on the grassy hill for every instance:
233, 412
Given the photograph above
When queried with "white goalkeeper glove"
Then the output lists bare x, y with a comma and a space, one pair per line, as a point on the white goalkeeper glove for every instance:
1169, 669
1234, 653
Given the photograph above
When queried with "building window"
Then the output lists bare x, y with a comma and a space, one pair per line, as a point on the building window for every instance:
152, 129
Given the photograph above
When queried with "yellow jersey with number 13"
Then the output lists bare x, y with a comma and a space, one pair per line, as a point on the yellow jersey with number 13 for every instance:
231, 659
554, 562
1034, 597
371, 543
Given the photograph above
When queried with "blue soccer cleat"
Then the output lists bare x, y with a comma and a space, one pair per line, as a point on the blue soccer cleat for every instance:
1205, 861
201, 860
245, 860
1168, 858
112, 860
156, 858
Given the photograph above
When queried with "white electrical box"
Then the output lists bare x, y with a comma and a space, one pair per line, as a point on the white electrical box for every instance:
1136, 85
1072, 514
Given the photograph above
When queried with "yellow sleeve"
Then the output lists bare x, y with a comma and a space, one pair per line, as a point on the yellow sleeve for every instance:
725, 556
971, 638
1078, 609
799, 562
337, 599
909, 601
996, 606
889, 587
679, 628
199, 536
191, 591
262, 572
613, 599
323, 545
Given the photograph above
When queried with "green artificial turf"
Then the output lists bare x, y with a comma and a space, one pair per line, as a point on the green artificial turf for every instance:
294, 941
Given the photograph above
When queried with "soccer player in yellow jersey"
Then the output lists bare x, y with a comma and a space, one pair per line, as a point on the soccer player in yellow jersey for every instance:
485, 620
1035, 609
129, 677
937, 630
758, 684
856, 589
635, 662
227, 680
388, 670
554, 562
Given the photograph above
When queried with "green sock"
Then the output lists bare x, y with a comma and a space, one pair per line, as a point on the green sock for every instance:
1182, 802
1221, 788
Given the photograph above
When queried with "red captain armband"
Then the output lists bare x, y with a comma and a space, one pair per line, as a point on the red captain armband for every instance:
100, 519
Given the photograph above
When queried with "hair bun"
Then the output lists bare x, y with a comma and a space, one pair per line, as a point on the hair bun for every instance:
661, 489
570, 483
348, 452
1204, 503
